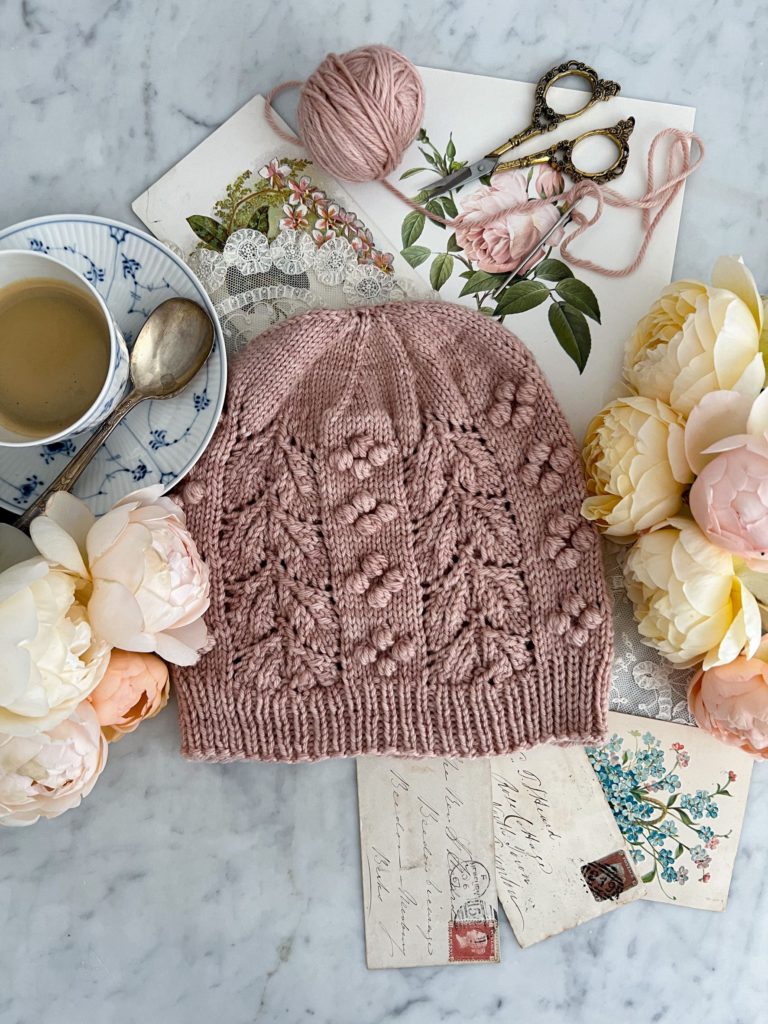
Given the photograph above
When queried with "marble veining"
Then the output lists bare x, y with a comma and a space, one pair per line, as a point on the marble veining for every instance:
189, 893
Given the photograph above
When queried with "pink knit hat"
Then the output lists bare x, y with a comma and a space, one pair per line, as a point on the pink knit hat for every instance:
390, 512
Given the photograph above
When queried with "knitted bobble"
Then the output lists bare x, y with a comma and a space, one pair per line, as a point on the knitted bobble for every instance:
192, 493
385, 651
360, 503
360, 456
513, 404
569, 537
583, 538
376, 580
376, 517
575, 619
545, 465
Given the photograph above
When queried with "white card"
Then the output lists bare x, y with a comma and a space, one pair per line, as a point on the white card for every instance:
480, 113
426, 840
197, 181
680, 796
560, 857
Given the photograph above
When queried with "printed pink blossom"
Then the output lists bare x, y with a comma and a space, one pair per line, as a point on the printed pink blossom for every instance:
493, 237
275, 173
549, 182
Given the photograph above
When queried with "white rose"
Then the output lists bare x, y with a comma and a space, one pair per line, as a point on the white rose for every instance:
50, 772
148, 586
635, 466
49, 659
699, 338
688, 601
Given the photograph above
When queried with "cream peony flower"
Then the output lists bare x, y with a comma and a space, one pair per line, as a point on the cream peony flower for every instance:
699, 338
135, 687
635, 464
688, 601
147, 586
45, 774
49, 659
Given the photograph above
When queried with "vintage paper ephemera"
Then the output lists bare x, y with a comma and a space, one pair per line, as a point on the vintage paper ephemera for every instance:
426, 839
679, 797
560, 857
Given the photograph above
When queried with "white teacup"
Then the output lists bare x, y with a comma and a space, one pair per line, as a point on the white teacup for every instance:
18, 266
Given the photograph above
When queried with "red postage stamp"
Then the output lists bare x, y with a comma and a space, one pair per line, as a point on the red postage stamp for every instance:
473, 942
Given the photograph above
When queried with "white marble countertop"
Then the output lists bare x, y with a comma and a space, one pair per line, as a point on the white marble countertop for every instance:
189, 893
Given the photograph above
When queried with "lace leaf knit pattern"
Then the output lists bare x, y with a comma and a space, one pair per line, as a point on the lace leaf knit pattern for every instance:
390, 511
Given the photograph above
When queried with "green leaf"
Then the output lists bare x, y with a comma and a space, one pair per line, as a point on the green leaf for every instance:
649, 877
480, 281
552, 270
580, 296
679, 850
520, 296
453, 245
435, 206
441, 270
430, 159
415, 254
450, 149
413, 225
672, 800
572, 332
412, 171
486, 310
260, 220
686, 820
210, 231
450, 207
624, 757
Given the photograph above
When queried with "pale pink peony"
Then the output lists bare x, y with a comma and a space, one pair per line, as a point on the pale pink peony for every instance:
731, 702
134, 687
47, 773
146, 585
549, 182
495, 239
729, 498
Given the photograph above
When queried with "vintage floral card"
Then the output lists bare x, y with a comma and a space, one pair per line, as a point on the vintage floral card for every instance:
561, 859
678, 796
267, 233
575, 322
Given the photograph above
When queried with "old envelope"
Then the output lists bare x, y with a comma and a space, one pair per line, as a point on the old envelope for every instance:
560, 857
426, 838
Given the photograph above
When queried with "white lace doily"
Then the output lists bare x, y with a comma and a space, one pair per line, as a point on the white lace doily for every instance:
643, 683
254, 283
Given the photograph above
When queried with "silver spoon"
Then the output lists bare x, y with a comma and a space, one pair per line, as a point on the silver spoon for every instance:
172, 346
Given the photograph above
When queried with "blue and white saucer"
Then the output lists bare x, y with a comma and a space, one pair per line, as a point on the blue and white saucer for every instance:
158, 442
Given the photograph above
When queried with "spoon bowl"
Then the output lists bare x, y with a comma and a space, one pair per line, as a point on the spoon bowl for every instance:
170, 349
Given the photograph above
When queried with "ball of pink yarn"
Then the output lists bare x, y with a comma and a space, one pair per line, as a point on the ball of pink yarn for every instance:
359, 111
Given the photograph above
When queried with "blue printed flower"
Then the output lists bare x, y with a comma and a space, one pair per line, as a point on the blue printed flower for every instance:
117, 234
130, 267
637, 855
706, 834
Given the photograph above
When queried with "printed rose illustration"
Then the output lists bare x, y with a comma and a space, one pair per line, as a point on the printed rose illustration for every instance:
491, 239
669, 831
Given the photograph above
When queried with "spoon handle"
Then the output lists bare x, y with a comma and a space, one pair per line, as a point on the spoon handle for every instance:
66, 479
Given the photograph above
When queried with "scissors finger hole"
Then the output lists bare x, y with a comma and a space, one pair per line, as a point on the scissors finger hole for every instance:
571, 95
595, 153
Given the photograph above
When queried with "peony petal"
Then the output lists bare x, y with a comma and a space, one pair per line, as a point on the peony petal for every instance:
20, 575
54, 543
116, 617
718, 415
105, 532
175, 650
757, 423
731, 273
72, 515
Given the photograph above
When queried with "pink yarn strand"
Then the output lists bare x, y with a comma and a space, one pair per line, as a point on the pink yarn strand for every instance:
269, 110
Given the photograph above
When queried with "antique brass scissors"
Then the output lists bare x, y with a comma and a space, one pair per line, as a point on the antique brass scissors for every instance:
545, 119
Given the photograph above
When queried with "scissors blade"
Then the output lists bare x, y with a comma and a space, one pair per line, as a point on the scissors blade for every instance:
464, 174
